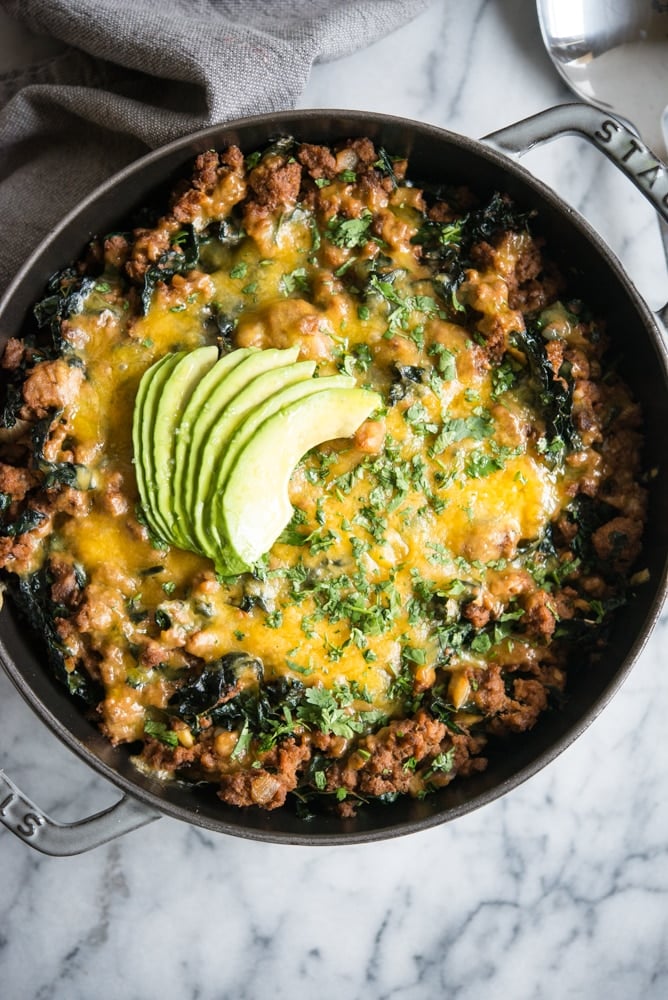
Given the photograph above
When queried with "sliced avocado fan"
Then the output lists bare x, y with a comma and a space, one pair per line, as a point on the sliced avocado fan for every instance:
216, 441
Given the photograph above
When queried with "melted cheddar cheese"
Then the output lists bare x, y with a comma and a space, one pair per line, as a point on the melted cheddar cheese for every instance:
420, 567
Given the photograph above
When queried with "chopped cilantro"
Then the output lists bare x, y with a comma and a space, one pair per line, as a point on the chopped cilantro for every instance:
295, 281
445, 362
159, 731
350, 233
478, 465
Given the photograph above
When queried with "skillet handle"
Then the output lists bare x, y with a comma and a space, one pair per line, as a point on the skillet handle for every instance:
643, 167
30, 824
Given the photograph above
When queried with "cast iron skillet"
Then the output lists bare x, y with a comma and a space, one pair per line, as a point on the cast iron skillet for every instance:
434, 155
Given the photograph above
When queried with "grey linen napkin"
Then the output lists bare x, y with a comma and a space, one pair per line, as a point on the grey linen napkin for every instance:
134, 74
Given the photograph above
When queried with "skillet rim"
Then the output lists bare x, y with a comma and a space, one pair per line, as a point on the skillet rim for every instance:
218, 135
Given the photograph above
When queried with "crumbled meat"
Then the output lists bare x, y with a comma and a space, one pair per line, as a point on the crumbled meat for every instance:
17, 554
356, 153
16, 482
148, 247
514, 712
65, 587
51, 385
540, 616
477, 614
100, 608
116, 250
318, 161
618, 542
12, 356
275, 183
268, 785
114, 496
389, 750
217, 185
441, 212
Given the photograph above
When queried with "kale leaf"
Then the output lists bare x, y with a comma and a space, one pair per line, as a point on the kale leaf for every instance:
403, 376
182, 256
32, 597
554, 394
447, 245
66, 296
202, 695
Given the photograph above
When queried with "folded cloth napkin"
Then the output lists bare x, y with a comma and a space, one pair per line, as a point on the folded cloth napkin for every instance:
134, 74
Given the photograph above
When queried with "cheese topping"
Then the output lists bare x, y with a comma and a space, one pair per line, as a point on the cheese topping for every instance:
440, 565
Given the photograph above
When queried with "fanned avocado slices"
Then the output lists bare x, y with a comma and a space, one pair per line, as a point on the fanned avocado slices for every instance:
290, 394
224, 393
214, 448
252, 516
183, 431
216, 441
171, 403
148, 394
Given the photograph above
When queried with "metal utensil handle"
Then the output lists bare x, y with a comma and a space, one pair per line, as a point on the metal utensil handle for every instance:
28, 822
643, 167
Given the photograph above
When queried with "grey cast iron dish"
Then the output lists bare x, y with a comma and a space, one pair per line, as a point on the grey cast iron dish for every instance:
434, 155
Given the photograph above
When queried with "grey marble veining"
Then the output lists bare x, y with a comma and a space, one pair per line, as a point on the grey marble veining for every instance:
559, 890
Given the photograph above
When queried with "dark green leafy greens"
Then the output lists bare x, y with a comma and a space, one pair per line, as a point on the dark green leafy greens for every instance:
554, 393
182, 256
66, 294
33, 600
447, 245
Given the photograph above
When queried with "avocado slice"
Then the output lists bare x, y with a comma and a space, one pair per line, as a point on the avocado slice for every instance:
258, 391
143, 425
257, 363
202, 392
244, 433
255, 504
176, 391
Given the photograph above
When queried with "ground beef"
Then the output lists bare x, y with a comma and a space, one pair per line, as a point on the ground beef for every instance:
13, 354
148, 247
16, 482
522, 710
116, 250
275, 183
217, 175
268, 785
477, 614
617, 543
51, 385
18, 553
318, 160
540, 616
114, 497
65, 588
385, 768
516, 711
163, 757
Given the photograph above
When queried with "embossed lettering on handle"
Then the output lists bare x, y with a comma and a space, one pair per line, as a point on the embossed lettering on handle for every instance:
27, 821
643, 167
17, 813
612, 137
647, 169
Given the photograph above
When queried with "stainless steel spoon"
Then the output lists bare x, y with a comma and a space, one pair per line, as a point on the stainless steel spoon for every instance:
614, 54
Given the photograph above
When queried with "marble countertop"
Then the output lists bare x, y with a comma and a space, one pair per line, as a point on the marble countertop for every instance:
558, 890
